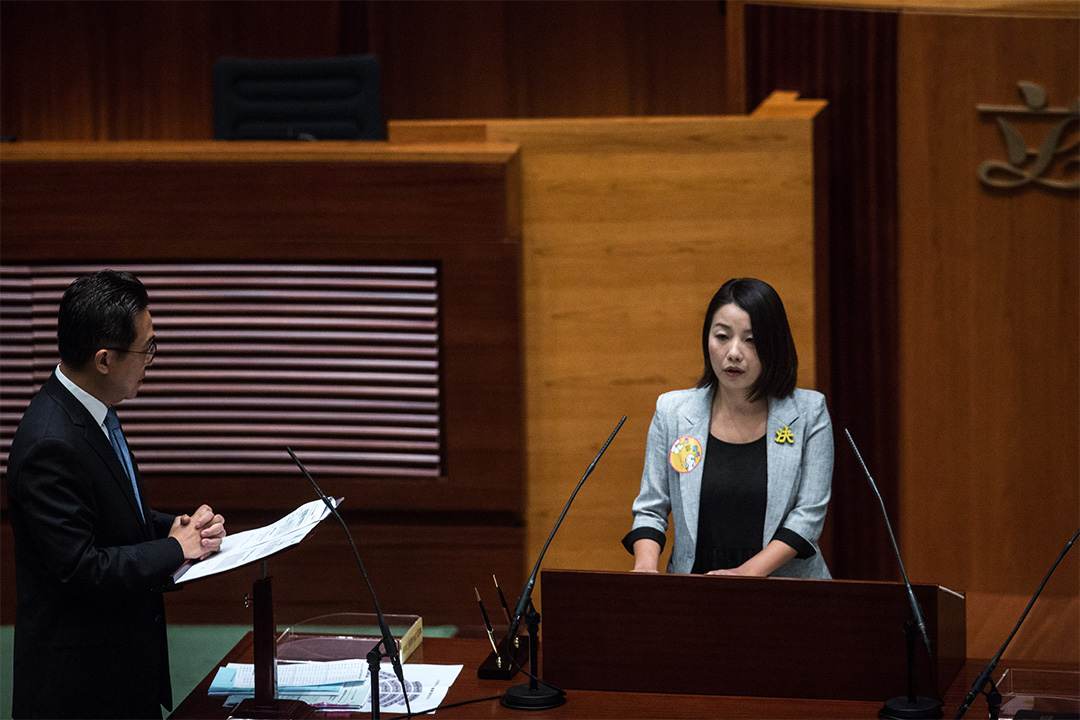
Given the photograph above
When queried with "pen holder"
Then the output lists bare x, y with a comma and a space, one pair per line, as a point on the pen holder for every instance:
512, 655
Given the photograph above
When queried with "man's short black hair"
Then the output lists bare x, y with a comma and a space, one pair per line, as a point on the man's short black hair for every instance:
98, 311
772, 337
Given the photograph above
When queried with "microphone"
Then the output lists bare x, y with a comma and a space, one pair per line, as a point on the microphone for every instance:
916, 611
526, 594
984, 676
387, 637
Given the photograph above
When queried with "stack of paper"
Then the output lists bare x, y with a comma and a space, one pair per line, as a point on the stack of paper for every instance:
342, 685
318, 684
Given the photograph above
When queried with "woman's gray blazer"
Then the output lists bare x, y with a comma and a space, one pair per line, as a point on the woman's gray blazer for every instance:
799, 482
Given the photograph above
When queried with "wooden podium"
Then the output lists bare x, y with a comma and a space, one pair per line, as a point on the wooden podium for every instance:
766, 637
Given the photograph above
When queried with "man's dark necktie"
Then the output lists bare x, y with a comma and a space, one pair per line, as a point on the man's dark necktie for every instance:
116, 437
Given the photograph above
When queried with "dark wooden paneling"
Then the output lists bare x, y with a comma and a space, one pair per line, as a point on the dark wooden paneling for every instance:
793, 637
991, 277
272, 211
183, 202
542, 59
849, 59
79, 70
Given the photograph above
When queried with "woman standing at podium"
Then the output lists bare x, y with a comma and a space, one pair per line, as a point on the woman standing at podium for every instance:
743, 462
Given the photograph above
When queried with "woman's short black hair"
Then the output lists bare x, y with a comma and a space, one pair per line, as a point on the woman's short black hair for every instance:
772, 337
98, 311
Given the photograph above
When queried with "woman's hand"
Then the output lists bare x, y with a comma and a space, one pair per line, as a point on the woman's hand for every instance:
765, 563
731, 572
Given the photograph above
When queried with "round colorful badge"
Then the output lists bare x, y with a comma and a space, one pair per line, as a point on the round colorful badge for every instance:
685, 454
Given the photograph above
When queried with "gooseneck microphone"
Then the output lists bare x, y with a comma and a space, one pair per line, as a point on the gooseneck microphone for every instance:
916, 611
985, 676
912, 705
526, 594
390, 647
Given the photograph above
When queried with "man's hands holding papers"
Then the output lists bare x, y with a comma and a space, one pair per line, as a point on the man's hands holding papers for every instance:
245, 547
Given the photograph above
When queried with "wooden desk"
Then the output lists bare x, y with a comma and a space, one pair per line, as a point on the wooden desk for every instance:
593, 704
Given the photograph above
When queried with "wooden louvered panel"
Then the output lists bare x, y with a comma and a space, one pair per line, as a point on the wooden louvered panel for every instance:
16, 351
340, 362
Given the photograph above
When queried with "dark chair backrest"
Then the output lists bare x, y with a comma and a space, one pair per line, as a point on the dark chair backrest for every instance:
337, 98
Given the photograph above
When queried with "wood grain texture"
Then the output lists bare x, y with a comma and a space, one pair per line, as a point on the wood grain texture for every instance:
512, 59
1061, 8
793, 637
237, 203
335, 152
76, 69
629, 227
1051, 631
80, 70
990, 318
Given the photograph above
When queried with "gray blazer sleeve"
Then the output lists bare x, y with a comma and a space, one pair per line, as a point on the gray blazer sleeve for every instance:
653, 503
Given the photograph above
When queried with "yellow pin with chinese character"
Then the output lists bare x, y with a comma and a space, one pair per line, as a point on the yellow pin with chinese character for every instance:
784, 435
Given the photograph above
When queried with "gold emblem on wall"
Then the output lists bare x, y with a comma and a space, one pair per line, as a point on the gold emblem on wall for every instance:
1056, 162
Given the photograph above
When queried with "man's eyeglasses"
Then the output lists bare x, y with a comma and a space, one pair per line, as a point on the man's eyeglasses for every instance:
148, 353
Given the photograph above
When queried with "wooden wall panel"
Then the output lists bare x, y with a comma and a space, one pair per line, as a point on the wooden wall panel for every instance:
102, 70
543, 59
849, 59
1013, 7
101, 202
629, 227
989, 370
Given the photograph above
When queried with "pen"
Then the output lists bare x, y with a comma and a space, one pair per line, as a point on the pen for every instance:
502, 599
506, 608
490, 632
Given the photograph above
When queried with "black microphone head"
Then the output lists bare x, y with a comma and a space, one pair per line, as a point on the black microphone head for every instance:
862, 463
306, 473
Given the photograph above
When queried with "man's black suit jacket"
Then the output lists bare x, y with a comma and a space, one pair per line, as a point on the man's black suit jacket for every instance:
90, 624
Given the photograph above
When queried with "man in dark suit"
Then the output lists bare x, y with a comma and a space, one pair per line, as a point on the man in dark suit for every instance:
91, 557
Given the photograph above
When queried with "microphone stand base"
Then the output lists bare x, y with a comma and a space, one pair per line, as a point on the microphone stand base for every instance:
523, 697
903, 708
279, 708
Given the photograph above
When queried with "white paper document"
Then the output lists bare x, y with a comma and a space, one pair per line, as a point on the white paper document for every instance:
251, 545
337, 687
236, 677
427, 686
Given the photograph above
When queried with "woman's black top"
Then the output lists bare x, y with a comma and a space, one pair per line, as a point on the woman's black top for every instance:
731, 516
